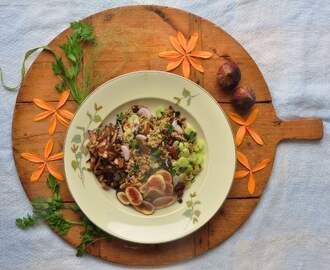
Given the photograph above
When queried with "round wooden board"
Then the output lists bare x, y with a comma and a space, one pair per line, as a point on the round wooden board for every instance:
129, 39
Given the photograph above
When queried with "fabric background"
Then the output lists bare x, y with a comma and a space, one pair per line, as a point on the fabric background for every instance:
290, 42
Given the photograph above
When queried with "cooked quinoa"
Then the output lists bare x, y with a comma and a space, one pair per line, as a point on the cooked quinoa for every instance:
141, 142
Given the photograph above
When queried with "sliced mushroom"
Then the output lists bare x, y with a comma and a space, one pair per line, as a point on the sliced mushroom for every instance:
125, 152
177, 127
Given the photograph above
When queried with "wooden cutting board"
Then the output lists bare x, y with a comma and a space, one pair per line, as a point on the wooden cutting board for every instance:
129, 39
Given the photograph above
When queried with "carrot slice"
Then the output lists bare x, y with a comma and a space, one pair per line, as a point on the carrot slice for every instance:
252, 117
43, 104
196, 64
241, 174
174, 64
52, 125
240, 135
54, 173
255, 136
182, 40
261, 165
175, 43
243, 160
32, 157
236, 118
42, 115
192, 42
251, 184
185, 68
201, 54
170, 55
64, 97
37, 173
48, 148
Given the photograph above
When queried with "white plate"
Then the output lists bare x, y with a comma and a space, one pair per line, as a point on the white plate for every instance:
200, 202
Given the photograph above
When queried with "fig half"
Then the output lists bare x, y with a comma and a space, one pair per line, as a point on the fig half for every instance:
133, 195
153, 194
155, 181
121, 196
164, 201
166, 175
145, 208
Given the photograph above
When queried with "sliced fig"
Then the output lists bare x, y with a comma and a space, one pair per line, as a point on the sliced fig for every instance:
145, 208
121, 196
164, 201
153, 194
157, 181
166, 174
169, 188
133, 195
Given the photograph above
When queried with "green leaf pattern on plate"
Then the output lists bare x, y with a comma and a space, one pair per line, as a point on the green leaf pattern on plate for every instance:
192, 212
79, 141
186, 95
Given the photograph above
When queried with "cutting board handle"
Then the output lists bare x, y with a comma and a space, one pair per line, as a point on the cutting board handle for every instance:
301, 129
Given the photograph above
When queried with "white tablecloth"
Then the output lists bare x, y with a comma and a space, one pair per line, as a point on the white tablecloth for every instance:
290, 41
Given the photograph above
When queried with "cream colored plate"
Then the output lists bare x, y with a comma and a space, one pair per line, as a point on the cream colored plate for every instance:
200, 202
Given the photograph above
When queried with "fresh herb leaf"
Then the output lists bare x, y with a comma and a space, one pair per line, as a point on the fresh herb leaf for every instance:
191, 136
26, 222
119, 117
60, 86
155, 154
134, 144
169, 128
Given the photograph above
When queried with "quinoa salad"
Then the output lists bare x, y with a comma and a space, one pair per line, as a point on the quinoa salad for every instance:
148, 157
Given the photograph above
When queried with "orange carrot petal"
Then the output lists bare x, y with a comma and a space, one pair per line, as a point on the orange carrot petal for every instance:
65, 113
251, 184
42, 115
196, 64
43, 104
243, 160
54, 173
240, 135
241, 174
63, 99
48, 148
174, 64
37, 173
182, 40
52, 125
255, 135
62, 120
236, 118
261, 165
201, 54
170, 55
252, 117
175, 43
56, 156
32, 157
185, 68
192, 42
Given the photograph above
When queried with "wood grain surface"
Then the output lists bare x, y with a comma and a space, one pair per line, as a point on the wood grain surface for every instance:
129, 39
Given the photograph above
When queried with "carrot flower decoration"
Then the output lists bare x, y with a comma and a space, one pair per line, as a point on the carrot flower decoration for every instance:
245, 126
250, 170
184, 54
44, 161
56, 113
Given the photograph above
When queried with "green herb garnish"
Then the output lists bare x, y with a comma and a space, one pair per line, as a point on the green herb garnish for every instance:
191, 136
134, 144
119, 117
169, 128
155, 154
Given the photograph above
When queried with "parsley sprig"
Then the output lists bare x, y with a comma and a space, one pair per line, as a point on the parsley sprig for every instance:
48, 210
82, 33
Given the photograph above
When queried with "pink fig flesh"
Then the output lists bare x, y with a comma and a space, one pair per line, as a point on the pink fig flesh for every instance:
145, 208
121, 196
133, 195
